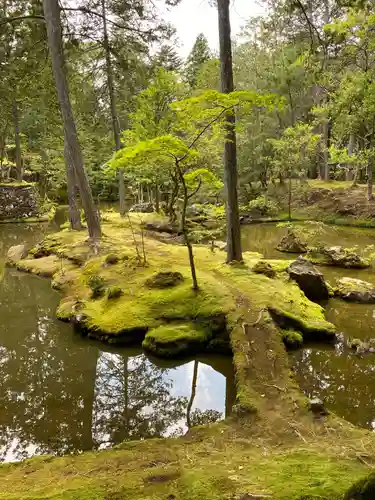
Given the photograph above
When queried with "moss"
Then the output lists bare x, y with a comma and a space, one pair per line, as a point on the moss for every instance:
364, 489
262, 267
97, 285
45, 266
292, 339
176, 339
113, 292
165, 279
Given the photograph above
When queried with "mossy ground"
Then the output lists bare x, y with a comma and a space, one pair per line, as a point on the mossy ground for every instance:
274, 446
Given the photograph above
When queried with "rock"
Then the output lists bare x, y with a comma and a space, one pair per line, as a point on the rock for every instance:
165, 280
337, 256
291, 243
309, 279
161, 227
355, 290
145, 208
111, 259
317, 407
265, 268
364, 489
114, 292
17, 252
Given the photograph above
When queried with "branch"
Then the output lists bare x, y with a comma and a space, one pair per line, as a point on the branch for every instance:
20, 18
209, 124
196, 189
310, 24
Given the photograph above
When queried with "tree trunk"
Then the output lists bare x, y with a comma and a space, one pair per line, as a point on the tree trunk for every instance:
326, 126
157, 197
73, 211
17, 139
349, 166
184, 229
112, 99
370, 196
234, 252
53, 23
290, 197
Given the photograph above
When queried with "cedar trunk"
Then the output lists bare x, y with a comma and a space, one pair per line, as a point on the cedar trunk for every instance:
234, 252
73, 211
112, 99
54, 34
17, 139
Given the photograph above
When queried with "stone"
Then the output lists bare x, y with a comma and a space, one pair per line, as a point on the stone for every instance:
265, 268
18, 201
291, 243
167, 279
145, 208
317, 407
111, 259
17, 252
339, 257
309, 279
364, 489
355, 290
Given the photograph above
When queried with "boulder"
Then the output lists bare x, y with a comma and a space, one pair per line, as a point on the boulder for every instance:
291, 243
355, 290
262, 267
145, 208
17, 252
309, 279
317, 407
167, 279
364, 489
339, 257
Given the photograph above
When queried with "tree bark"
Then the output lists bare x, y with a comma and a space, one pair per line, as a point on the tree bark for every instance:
326, 126
349, 166
17, 139
234, 251
73, 211
112, 99
157, 197
370, 196
53, 23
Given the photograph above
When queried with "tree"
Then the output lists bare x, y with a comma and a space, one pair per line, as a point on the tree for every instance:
73, 149
199, 55
293, 154
234, 252
166, 58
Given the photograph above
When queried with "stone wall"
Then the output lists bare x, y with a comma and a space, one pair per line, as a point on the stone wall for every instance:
18, 201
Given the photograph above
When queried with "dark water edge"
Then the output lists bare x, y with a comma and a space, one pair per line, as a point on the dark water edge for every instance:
60, 393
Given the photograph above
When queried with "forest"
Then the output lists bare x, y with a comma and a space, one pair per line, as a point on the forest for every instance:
187, 257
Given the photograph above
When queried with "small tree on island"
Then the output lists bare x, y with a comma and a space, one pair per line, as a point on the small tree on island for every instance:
198, 120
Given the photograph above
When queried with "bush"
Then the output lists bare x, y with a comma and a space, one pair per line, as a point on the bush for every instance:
96, 284
263, 206
114, 292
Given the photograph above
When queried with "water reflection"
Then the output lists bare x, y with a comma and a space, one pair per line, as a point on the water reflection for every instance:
60, 393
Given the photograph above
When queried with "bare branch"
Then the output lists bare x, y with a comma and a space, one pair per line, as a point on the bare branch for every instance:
11, 20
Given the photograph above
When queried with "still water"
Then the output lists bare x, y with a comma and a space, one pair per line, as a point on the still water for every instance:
337, 375
60, 393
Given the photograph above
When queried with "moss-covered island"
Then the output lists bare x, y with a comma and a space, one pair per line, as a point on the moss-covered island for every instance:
134, 288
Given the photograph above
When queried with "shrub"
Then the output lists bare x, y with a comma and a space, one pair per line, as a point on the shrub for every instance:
96, 284
263, 206
114, 292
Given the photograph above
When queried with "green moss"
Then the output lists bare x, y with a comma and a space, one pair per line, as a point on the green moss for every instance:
113, 292
364, 489
292, 339
176, 339
45, 266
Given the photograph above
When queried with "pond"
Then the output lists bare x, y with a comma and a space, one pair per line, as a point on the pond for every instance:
345, 381
60, 393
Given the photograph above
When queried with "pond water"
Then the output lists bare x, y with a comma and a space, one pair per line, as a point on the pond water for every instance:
345, 381
60, 393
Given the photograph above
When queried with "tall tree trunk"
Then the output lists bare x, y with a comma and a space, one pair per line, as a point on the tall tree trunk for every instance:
326, 126
53, 23
112, 99
73, 211
157, 197
370, 196
234, 252
17, 139
349, 166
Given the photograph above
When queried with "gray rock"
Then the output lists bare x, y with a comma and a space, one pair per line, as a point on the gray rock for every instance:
17, 252
291, 243
309, 279
317, 407
262, 267
142, 208
355, 290
339, 257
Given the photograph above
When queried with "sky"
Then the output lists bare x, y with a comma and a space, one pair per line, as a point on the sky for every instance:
192, 17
